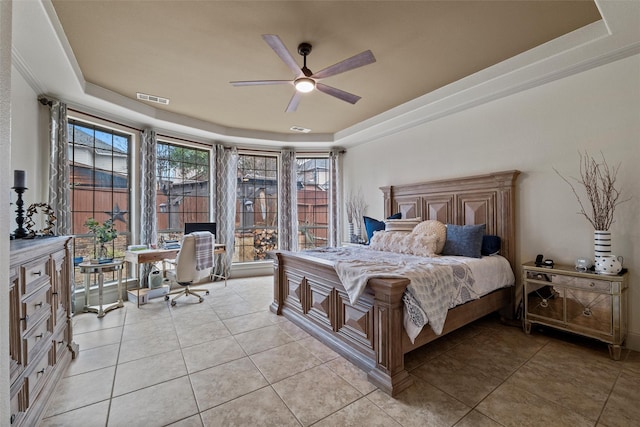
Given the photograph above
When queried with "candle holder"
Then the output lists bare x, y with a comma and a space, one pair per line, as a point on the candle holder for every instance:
20, 232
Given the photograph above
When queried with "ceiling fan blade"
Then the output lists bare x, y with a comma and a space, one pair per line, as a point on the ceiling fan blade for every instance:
359, 60
261, 82
293, 103
281, 50
340, 94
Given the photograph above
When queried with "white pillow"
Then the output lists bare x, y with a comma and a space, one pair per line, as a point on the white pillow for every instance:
401, 224
436, 228
390, 241
420, 244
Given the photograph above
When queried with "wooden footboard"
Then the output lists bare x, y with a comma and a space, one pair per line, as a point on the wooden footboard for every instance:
369, 333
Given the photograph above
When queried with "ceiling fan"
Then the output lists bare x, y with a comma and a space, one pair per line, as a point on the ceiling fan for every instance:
305, 80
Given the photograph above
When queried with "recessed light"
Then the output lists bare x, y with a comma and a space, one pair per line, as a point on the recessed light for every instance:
299, 129
152, 98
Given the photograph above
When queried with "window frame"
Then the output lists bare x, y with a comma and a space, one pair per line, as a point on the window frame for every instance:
177, 232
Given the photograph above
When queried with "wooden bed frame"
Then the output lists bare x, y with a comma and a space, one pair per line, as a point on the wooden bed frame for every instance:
370, 333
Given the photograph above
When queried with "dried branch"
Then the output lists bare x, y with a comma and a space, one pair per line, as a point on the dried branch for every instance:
355, 206
598, 180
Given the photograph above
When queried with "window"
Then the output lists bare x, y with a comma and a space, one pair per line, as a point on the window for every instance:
256, 207
313, 201
183, 193
100, 184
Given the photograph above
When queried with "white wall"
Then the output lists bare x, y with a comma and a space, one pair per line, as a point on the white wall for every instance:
29, 148
6, 12
532, 131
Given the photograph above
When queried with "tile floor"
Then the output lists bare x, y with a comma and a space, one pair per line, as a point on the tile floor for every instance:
229, 361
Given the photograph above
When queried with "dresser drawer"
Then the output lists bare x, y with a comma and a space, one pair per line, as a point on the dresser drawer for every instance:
39, 374
35, 307
35, 273
35, 339
18, 403
582, 282
60, 343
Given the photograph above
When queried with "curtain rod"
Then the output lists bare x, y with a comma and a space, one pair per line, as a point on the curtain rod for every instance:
46, 101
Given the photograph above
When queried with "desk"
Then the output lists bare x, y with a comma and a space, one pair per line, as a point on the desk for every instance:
87, 269
147, 256
156, 255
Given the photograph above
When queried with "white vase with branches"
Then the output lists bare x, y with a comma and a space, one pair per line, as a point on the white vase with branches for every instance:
599, 182
355, 207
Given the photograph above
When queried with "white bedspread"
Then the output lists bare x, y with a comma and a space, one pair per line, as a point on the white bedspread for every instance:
437, 284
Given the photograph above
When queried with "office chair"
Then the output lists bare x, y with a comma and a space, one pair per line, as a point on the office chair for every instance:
185, 272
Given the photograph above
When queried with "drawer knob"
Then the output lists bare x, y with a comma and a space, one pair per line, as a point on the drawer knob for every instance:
37, 273
38, 304
586, 312
591, 284
544, 303
54, 293
12, 419
25, 318
40, 372
60, 342
39, 336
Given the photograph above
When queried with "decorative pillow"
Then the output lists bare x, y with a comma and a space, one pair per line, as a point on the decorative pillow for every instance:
490, 244
464, 240
372, 225
390, 241
401, 224
433, 227
420, 244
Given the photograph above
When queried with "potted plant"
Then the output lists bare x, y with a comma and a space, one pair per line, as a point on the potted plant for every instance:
102, 234
599, 182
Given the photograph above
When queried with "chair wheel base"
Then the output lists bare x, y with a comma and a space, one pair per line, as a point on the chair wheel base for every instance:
166, 297
173, 303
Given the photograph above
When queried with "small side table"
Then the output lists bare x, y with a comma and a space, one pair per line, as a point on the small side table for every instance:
87, 269
585, 303
219, 249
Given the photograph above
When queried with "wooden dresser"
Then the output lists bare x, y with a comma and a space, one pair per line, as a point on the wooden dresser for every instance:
40, 336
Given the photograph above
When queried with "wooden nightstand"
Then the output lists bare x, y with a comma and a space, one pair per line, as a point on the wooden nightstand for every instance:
584, 303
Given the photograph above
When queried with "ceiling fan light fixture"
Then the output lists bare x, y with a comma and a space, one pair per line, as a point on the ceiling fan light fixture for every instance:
304, 84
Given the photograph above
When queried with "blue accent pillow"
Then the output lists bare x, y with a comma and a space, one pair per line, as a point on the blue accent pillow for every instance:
490, 244
372, 225
464, 240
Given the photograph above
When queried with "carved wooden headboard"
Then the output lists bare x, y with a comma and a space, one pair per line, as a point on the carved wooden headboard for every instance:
483, 199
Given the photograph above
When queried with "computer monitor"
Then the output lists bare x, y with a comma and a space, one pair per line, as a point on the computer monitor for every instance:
190, 227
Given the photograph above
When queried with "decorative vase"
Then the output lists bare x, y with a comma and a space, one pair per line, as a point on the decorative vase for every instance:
358, 237
352, 237
601, 246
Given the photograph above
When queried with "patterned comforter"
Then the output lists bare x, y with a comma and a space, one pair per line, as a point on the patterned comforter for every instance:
437, 284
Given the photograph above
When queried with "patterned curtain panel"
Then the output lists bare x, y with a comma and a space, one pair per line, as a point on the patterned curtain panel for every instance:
225, 183
335, 161
59, 190
288, 197
148, 215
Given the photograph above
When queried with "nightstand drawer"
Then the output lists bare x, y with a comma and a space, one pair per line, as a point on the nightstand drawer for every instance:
582, 282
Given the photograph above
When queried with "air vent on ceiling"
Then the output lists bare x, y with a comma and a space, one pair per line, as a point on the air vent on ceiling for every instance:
300, 129
152, 98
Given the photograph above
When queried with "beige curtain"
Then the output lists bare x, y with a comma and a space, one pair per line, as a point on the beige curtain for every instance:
225, 183
59, 187
288, 200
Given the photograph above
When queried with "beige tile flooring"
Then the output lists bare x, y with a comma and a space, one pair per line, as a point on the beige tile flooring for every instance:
229, 361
